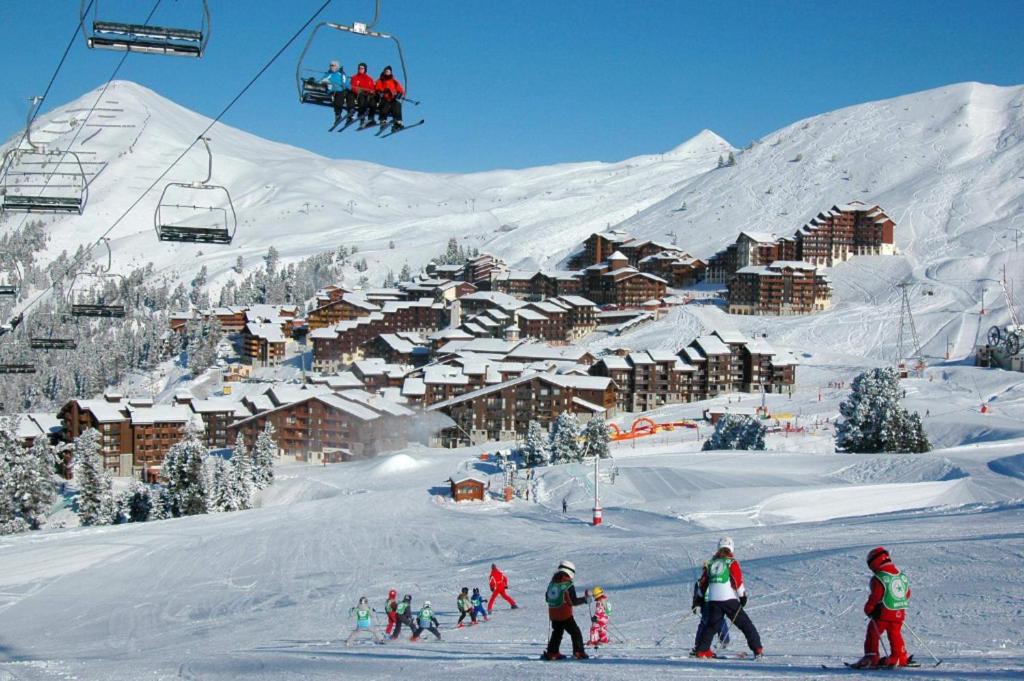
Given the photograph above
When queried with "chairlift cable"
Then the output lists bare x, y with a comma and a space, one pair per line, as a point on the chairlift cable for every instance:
73, 266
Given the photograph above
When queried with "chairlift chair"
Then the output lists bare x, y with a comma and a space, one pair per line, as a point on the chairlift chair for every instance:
11, 365
8, 290
51, 341
98, 307
145, 38
179, 210
311, 90
35, 179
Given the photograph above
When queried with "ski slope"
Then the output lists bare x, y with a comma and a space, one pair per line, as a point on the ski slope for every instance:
264, 594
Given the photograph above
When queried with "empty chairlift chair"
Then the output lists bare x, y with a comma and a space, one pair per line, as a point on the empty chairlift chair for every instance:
146, 38
97, 300
56, 338
11, 360
197, 212
34, 179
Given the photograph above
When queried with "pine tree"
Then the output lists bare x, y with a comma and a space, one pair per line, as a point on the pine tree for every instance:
221, 490
736, 431
184, 470
873, 420
95, 488
405, 274
535, 449
596, 438
565, 439
263, 453
241, 474
38, 490
138, 503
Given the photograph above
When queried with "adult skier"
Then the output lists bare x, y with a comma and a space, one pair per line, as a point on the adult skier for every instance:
390, 93
426, 620
886, 609
599, 620
362, 96
391, 610
478, 604
701, 604
337, 85
499, 587
465, 606
364, 622
403, 615
561, 597
726, 596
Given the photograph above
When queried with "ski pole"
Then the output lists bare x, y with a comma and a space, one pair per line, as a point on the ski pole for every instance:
922, 644
885, 648
677, 622
618, 633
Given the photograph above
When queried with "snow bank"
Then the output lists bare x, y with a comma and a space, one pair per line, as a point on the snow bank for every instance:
399, 463
1012, 466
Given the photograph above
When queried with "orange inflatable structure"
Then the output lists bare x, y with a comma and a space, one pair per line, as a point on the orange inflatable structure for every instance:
643, 427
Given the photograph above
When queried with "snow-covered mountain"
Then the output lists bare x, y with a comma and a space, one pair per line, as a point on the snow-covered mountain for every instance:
947, 164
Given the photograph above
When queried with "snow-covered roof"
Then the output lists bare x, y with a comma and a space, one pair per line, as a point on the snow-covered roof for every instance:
730, 335
617, 255
615, 362
590, 406
269, 332
712, 345
103, 411
531, 315
414, 387
793, 264
160, 414
376, 402
577, 301
759, 237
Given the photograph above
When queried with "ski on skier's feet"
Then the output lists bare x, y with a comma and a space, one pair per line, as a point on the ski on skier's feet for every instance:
395, 131
336, 123
348, 124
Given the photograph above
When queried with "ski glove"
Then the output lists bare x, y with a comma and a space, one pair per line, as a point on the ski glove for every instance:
743, 601
697, 603
593, 618
877, 612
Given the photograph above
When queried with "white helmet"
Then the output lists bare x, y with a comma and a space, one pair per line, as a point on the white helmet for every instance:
426, 604
567, 567
726, 543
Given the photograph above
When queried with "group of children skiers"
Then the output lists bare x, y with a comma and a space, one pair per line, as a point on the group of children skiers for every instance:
719, 595
363, 96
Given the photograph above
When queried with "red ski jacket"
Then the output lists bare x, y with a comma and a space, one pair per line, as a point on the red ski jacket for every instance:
878, 593
498, 580
362, 82
390, 88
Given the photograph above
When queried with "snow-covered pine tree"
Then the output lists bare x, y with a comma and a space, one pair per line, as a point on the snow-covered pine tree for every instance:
241, 474
221, 491
873, 420
596, 437
95, 488
736, 431
535, 448
184, 470
137, 502
263, 452
38, 489
405, 274
10, 523
565, 439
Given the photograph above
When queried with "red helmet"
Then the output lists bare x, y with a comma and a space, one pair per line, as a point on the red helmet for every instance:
877, 556
392, 594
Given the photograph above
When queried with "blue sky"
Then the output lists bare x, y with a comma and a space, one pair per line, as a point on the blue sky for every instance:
515, 84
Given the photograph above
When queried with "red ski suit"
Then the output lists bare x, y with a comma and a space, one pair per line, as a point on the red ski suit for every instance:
362, 82
499, 584
599, 629
883, 620
391, 608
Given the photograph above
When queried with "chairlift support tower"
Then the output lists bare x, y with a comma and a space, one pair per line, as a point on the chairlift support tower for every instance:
907, 322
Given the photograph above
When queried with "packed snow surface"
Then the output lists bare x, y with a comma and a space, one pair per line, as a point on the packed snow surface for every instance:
265, 594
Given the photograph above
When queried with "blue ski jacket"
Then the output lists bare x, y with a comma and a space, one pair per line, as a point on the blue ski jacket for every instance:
336, 80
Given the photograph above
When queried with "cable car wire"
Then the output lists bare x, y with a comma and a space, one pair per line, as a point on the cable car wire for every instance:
73, 266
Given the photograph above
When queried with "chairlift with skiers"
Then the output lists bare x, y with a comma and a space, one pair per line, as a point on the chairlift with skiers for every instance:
196, 212
92, 302
35, 179
145, 38
311, 89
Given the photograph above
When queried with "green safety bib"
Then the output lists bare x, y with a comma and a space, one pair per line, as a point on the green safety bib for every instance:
402, 607
426, 614
555, 595
363, 616
896, 588
718, 570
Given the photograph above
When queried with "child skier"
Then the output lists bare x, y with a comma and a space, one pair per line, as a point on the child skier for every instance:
699, 602
561, 597
722, 581
364, 622
391, 610
426, 620
478, 604
599, 620
403, 615
886, 609
465, 606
